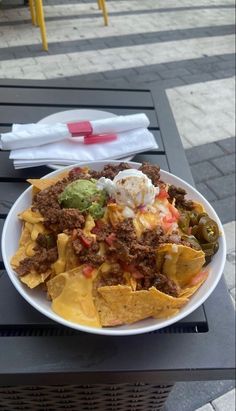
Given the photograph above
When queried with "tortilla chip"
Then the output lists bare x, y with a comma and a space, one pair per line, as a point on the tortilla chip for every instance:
60, 265
40, 184
71, 258
72, 297
114, 213
180, 263
25, 235
33, 279
31, 216
195, 284
26, 247
120, 305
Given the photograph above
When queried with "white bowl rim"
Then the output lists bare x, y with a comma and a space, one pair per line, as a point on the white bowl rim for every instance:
104, 331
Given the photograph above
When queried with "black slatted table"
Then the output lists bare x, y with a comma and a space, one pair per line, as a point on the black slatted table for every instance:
35, 351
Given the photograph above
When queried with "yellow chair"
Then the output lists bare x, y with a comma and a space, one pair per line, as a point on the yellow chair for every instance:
102, 6
37, 17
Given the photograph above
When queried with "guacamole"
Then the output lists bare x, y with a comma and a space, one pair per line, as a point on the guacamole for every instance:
84, 195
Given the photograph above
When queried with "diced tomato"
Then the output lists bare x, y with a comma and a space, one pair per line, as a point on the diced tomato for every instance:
110, 238
111, 201
99, 223
169, 220
78, 170
162, 194
85, 241
174, 211
199, 277
131, 268
87, 271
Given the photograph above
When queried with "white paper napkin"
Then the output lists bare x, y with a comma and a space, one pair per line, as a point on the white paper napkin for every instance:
34, 135
69, 152
31, 135
120, 124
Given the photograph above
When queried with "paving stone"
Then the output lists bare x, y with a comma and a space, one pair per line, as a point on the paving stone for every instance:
225, 208
189, 396
222, 186
167, 74
206, 407
224, 65
145, 78
229, 269
226, 402
228, 145
197, 78
225, 164
170, 83
203, 152
224, 73
233, 293
204, 171
205, 191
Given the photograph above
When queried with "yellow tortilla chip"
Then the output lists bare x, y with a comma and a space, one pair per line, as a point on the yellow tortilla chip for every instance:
179, 263
195, 284
114, 213
71, 258
26, 247
60, 265
41, 183
33, 279
72, 297
120, 305
31, 216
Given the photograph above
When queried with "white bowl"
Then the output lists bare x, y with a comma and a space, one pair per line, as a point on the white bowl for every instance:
37, 298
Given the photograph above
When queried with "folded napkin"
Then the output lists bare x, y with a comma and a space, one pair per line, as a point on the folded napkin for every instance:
68, 152
33, 135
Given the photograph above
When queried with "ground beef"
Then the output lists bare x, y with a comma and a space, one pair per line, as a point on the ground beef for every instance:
152, 237
40, 261
56, 218
160, 282
178, 194
79, 173
125, 231
110, 170
122, 247
102, 231
153, 172
77, 246
47, 200
89, 257
46, 241
70, 218
113, 277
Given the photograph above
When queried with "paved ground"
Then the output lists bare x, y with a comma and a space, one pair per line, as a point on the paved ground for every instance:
186, 47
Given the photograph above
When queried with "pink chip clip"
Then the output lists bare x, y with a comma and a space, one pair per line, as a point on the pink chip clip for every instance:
81, 128
99, 138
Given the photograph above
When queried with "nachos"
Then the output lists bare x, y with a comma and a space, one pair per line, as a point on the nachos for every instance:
114, 247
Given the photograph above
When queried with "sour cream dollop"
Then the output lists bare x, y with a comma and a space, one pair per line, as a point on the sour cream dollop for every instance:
131, 188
